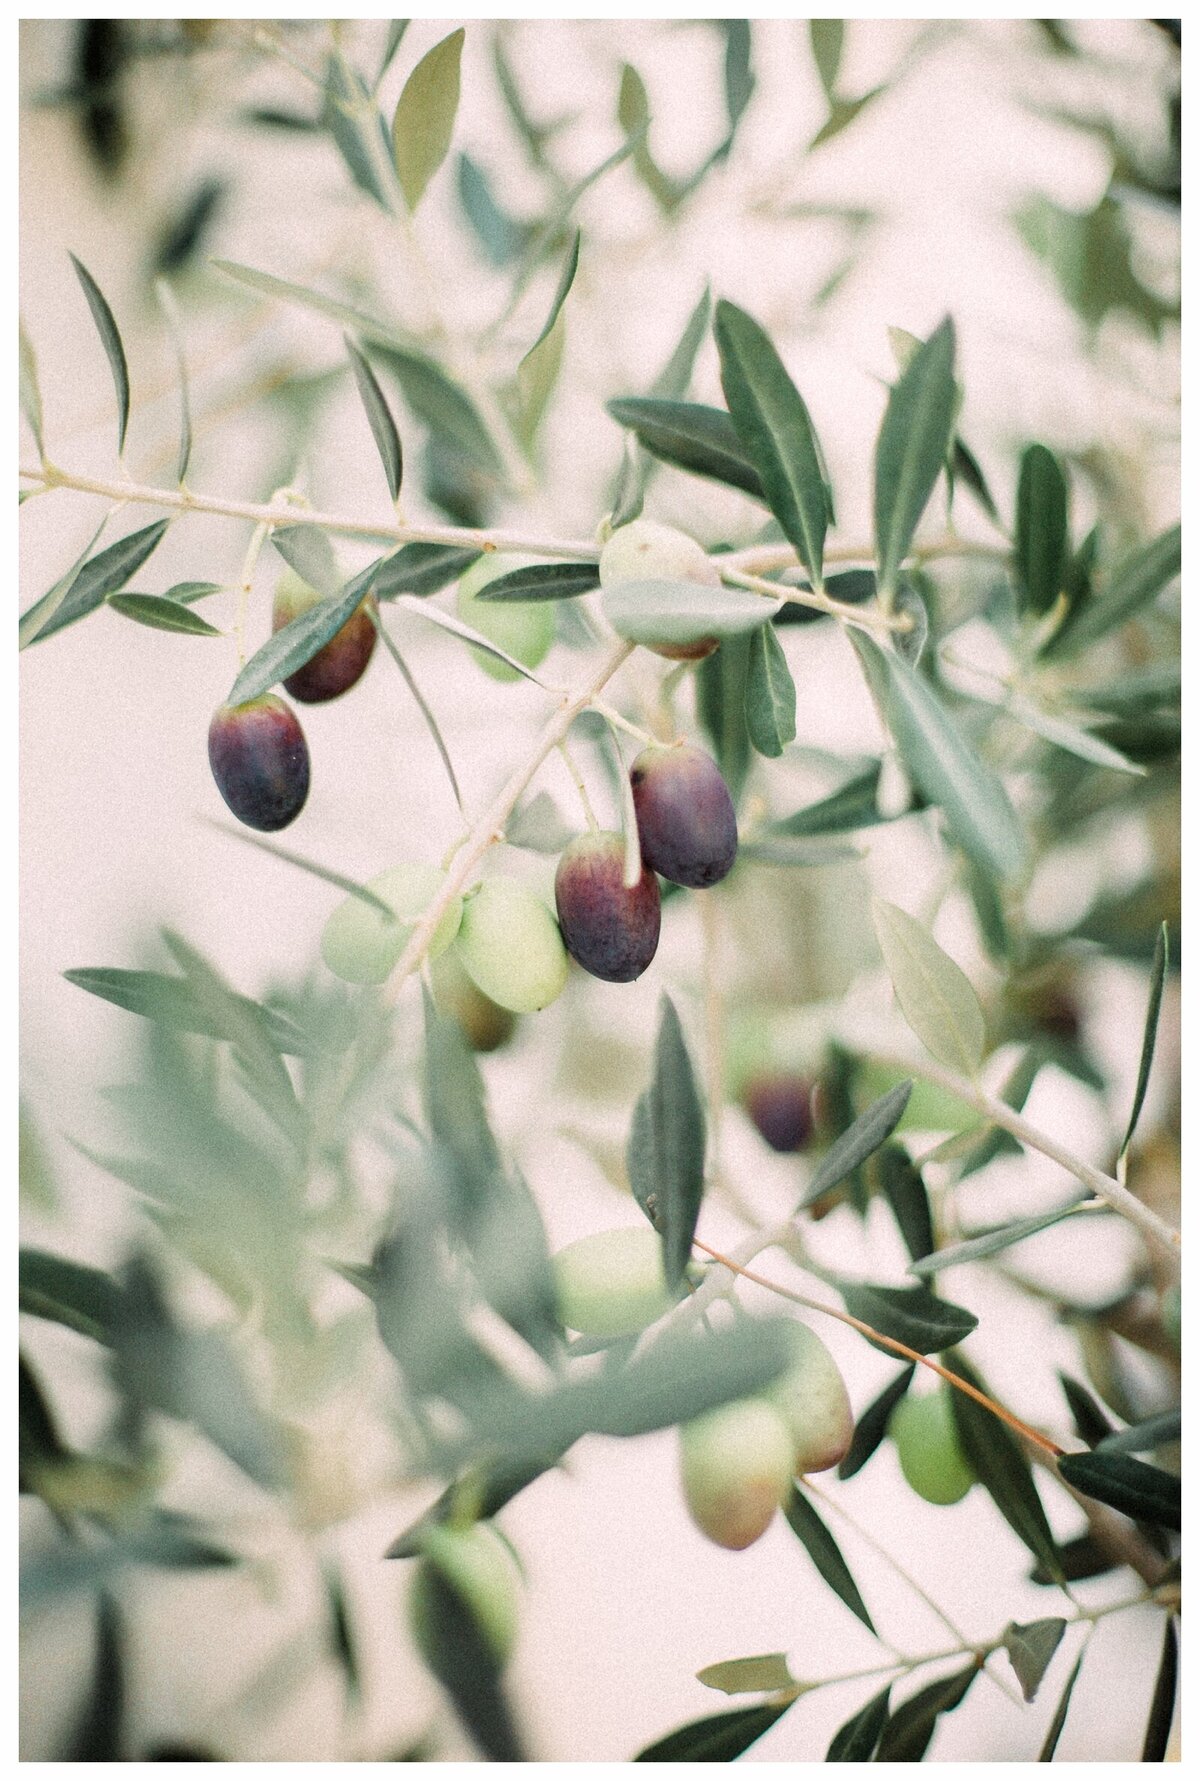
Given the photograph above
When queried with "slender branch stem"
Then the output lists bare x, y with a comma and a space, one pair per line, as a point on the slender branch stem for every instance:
852, 615
763, 558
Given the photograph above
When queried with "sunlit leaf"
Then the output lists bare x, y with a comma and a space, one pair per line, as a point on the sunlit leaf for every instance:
110, 339
770, 694
424, 119
825, 1553
936, 997
665, 1155
913, 442
383, 427
749, 1675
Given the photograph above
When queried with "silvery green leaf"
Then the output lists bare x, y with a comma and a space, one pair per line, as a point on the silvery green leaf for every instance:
31, 398
1158, 978
369, 326
934, 994
691, 437
683, 612
307, 550
296, 643
770, 694
913, 442
665, 1154
1070, 736
565, 281
502, 237
170, 311
162, 614
110, 339
859, 1141
672, 381
446, 622
1030, 1649
90, 584
1138, 581
383, 427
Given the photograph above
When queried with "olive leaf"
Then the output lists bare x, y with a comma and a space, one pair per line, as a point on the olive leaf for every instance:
543, 581
770, 694
383, 427
691, 437
682, 612
1158, 978
749, 1675
110, 339
665, 1154
161, 614
825, 1553
424, 118
1042, 542
859, 1141
871, 1426
856, 1741
89, 584
31, 396
1030, 1649
296, 643
307, 550
721, 1738
935, 995
913, 442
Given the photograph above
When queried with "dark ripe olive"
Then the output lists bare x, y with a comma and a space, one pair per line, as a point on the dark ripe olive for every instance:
608, 929
780, 1105
259, 759
339, 663
686, 823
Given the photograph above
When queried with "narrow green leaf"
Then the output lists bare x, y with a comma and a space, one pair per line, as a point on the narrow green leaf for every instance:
774, 425
296, 643
341, 1634
383, 427
908, 1733
945, 767
672, 381
307, 550
683, 612
1158, 978
31, 396
565, 281
936, 997
97, 1733
1030, 1649
991, 1242
166, 299
665, 1154
691, 437
490, 1488
110, 339
459, 1651
906, 1194
443, 405
913, 442
39, 1443
1042, 541
501, 236
871, 1426
1091, 1424
858, 1142
1050, 1744
1138, 581
162, 614
446, 622
1071, 736
246, 1027
1075, 1561
910, 1314
425, 114
325, 873
721, 707
633, 115
421, 569
782, 850
749, 1675
825, 1553
169, 1001
826, 37
1146, 1493
91, 584
456, 1107
71, 1293
1162, 1705
855, 805
1001, 1467
842, 113
1144, 1437
721, 1738
858, 1738
395, 37
354, 121
965, 466
770, 694
283, 290
423, 706
185, 592
543, 581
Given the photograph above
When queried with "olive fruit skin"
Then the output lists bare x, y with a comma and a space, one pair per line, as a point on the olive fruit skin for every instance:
685, 817
645, 551
510, 946
478, 1567
522, 628
927, 1446
736, 1468
780, 1106
811, 1397
259, 759
612, 1283
483, 1023
609, 930
360, 945
338, 664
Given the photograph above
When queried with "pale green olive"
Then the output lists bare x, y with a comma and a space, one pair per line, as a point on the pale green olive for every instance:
360, 944
480, 1569
644, 551
736, 1465
521, 628
612, 1283
510, 946
927, 1446
811, 1398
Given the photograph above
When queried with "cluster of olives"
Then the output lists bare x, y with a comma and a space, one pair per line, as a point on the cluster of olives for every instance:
257, 751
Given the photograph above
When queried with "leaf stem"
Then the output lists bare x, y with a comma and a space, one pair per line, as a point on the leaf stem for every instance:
852, 615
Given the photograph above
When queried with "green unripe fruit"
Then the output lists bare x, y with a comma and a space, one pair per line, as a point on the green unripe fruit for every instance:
644, 551
359, 943
811, 1398
484, 1024
736, 1465
521, 628
927, 1445
510, 946
477, 1566
612, 1283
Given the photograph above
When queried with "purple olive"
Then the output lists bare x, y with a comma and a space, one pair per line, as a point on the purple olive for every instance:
259, 759
685, 818
780, 1105
339, 663
611, 931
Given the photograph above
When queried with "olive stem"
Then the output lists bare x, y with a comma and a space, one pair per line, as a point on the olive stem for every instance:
605, 710
245, 586
580, 787
851, 615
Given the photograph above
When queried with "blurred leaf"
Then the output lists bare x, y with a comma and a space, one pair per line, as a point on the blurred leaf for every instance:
966, 470
307, 550
424, 121
537, 376
825, 1553
909, 603
665, 1154
538, 825
244, 1025
1031, 1648
1091, 1424
908, 1733
71, 1293
442, 405
35, 1173
168, 1544
1162, 1705
356, 125
943, 765
1015, 1092
180, 240
565, 281
341, 1635
31, 397
297, 642
543, 581
682, 612
446, 622
92, 583
1156, 1431
720, 1738
842, 113
170, 1001
691, 437
1075, 1561
1146, 1493
431, 723
633, 115
910, 1314
96, 1734
782, 850
770, 694
1075, 740
1090, 255
826, 37
936, 997
1042, 538
774, 425
1159, 683
739, 77
672, 381
991, 1242
721, 706
161, 614
1001, 1467
175, 330
511, 1262
857, 1739
39, 1443
110, 339
871, 1426
456, 1108
503, 238
1050, 1744
857, 1143
460, 1653
383, 427
488, 1489
284, 291
913, 442
749, 1675
1158, 978
906, 1194
855, 805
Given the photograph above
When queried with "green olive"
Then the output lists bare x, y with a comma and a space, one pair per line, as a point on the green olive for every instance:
644, 551
927, 1445
359, 943
480, 1569
510, 946
523, 629
811, 1398
736, 1465
612, 1283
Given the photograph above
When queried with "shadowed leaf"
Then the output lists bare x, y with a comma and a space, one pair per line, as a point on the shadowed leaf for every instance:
1146, 1493
665, 1155
858, 1738
858, 1142
1162, 1705
1158, 977
383, 427
1001, 1467
871, 1426
825, 1553
721, 1738
908, 1733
